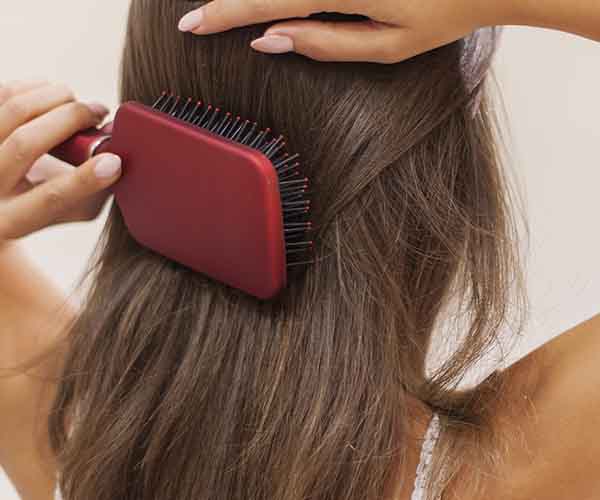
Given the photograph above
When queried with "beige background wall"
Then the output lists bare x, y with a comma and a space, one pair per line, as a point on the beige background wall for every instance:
550, 85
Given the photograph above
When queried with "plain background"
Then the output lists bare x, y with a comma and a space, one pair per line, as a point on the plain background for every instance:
549, 82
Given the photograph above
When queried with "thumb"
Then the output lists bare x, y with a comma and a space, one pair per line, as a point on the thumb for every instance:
89, 187
366, 41
77, 195
94, 176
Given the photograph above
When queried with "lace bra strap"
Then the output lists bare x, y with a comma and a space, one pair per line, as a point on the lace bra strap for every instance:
424, 468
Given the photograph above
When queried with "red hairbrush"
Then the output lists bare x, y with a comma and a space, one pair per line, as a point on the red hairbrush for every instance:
206, 189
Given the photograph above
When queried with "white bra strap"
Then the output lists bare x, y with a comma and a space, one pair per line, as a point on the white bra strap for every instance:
424, 468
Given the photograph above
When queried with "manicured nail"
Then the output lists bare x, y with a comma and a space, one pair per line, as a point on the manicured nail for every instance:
98, 109
273, 44
108, 166
191, 21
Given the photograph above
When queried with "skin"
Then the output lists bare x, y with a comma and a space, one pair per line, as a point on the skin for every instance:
556, 454
36, 191
397, 29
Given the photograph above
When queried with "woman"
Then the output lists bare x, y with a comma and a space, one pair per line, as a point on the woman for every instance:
172, 386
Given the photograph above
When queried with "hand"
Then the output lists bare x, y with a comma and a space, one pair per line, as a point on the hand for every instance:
396, 29
37, 190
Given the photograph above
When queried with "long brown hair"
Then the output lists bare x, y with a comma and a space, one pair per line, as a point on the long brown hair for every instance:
182, 388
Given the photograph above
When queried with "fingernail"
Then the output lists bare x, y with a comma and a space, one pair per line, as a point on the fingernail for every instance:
191, 20
108, 166
273, 44
98, 109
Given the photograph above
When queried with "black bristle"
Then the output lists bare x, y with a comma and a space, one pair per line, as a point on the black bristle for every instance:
220, 124
294, 211
273, 151
269, 147
286, 161
222, 130
294, 183
293, 195
256, 143
159, 102
193, 114
199, 120
287, 169
183, 112
250, 134
235, 126
301, 244
213, 118
240, 131
293, 187
302, 263
173, 110
166, 103
293, 175
295, 203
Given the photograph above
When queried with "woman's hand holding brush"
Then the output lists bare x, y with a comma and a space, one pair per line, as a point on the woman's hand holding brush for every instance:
37, 190
396, 29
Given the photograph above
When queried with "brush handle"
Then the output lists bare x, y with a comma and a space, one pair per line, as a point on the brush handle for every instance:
82, 146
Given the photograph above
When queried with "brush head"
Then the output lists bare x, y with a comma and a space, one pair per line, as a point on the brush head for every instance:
213, 192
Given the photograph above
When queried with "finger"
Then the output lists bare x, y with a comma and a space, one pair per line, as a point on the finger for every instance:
50, 202
91, 205
47, 167
88, 210
32, 140
223, 15
367, 41
25, 106
11, 89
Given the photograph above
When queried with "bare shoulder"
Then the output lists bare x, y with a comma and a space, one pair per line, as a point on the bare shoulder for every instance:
35, 315
550, 419
27, 394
